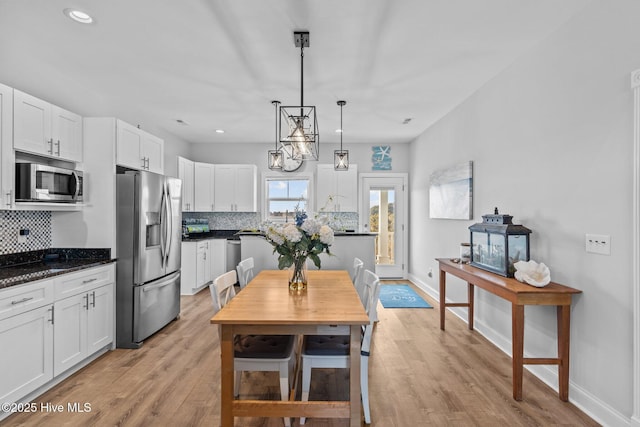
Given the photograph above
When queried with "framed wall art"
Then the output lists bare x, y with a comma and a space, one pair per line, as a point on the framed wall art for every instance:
451, 192
381, 158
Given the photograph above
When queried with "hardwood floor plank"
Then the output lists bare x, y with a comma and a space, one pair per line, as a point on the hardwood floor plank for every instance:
418, 376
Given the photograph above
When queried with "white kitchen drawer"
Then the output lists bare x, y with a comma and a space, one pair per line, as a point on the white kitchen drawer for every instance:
20, 298
74, 283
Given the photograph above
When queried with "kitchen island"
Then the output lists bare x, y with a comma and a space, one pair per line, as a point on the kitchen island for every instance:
344, 249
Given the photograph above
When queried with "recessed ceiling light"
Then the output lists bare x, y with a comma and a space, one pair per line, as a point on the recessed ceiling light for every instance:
219, 131
78, 16
338, 130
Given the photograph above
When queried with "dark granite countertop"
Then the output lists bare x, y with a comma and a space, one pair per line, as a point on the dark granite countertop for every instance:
24, 267
213, 234
336, 233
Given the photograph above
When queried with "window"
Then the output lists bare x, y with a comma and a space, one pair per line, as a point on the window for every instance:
284, 195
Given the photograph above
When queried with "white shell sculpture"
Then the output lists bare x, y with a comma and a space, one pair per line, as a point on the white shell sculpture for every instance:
532, 273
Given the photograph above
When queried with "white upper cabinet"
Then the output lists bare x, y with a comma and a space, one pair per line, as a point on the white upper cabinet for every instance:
138, 149
186, 170
203, 187
337, 191
152, 149
66, 131
45, 129
7, 157
235, 188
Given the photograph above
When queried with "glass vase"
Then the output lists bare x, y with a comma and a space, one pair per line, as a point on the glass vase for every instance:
298, 275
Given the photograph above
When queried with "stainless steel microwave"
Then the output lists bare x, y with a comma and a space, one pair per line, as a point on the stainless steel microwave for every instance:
42, 183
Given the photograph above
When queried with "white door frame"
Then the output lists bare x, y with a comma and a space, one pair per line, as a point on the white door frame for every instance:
401, 222
635, 85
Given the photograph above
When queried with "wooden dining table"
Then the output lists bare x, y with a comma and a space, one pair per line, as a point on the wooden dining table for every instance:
329, 306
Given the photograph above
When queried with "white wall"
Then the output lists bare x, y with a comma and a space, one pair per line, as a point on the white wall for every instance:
256, 153
551, 142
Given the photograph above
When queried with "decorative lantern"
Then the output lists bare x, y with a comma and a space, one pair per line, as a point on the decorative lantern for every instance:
497, 243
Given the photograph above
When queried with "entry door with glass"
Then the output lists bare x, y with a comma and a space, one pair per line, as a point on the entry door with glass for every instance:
383, 213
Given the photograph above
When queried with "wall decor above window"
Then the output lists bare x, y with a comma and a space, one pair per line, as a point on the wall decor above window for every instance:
451, 192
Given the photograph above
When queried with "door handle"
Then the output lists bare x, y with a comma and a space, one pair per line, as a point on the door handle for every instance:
76, 179
58, 150
50, 142
93, 299
162, 228
51, 310
168, 225
86, 300
169, 280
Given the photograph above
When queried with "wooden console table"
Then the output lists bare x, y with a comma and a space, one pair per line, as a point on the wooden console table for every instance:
519, 294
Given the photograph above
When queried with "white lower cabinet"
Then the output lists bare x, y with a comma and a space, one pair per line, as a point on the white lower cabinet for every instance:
100, 319
195, 266
202, 261
26, 358
83, 325
50, 326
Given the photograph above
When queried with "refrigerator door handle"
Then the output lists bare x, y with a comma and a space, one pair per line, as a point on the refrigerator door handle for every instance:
169, 225
163, 226
166, 282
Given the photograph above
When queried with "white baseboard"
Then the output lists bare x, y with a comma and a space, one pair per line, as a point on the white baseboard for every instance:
587, 402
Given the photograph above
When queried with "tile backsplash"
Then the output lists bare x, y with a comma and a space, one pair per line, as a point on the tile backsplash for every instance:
227, 220
37, 222
339, 221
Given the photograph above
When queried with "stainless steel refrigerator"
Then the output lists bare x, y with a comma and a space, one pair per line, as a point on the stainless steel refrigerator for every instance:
148, 244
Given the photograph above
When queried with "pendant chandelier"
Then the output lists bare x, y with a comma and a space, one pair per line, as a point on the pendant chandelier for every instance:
276, 157
299, 138
341, 157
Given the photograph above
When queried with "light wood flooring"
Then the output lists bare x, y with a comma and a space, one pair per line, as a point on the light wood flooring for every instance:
419, 376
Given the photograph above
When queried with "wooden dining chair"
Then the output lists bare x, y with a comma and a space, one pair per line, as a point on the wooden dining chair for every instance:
245, 272
332, 351
256, 352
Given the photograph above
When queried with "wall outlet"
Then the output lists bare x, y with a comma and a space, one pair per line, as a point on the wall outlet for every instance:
598, 244
22, 235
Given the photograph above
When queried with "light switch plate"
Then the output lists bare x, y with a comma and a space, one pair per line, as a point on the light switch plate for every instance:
598, 244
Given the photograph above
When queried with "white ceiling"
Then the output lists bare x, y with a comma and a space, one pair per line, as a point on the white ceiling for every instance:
217, 64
